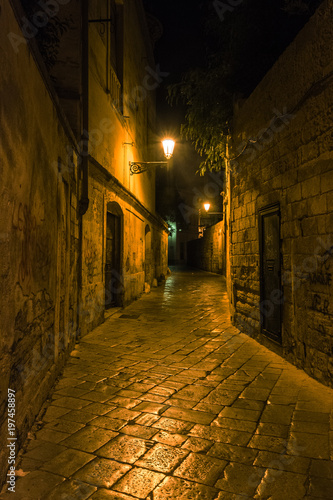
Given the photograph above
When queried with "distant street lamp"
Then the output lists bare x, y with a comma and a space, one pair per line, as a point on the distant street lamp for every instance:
207, 207
137, 167
200, 229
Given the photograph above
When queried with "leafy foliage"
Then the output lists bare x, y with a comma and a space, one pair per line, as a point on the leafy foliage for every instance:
49, 35
241, 46
208, 104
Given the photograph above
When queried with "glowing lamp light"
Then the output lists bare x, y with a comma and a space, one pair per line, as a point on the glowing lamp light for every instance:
137, 167
168, 146
207, 206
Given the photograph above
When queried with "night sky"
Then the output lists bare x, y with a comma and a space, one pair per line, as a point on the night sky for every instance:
180, 48
181, 44
261, 30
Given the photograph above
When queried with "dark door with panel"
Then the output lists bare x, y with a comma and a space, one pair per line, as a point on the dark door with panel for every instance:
112, 262
270, 275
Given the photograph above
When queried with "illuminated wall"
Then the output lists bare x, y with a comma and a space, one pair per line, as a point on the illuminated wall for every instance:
122, 116
287, 167
122, 81
38, 232
53, 253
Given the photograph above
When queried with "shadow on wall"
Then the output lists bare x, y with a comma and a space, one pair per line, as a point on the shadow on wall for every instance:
208, 252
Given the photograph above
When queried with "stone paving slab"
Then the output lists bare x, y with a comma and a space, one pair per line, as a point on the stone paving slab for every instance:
167, 399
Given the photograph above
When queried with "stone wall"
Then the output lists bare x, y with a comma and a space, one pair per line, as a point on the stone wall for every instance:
53, 258
282, 154
142, 258
121, 124
38, 232
207, 253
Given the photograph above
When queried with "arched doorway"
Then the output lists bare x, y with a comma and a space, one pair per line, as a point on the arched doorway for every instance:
114, 289
148, 255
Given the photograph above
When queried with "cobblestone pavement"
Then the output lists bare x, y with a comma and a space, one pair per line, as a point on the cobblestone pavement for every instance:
167, 400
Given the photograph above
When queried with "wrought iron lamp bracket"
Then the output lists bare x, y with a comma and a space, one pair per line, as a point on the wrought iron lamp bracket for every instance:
137, 167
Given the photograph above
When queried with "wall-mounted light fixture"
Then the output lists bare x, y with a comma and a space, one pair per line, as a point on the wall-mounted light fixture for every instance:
137, 167
168, 147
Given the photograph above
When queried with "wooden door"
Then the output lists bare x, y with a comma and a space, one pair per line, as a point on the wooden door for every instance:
270, 275
112, 261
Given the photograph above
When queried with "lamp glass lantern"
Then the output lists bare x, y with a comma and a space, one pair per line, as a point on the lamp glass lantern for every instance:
206, 206
138, 167
168, 146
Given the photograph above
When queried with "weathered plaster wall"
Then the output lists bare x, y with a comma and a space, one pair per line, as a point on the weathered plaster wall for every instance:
207, 252
141, 79
289, 160
38, 236
139, 263
66, 72
120, 131
159, 252
121, 127
43, 307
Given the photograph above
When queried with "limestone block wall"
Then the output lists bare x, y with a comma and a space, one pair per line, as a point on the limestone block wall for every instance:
207, 253
282, 153
159, 252
38, 233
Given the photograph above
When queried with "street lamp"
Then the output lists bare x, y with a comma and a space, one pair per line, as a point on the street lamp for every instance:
137, 167
168, 146
207, 207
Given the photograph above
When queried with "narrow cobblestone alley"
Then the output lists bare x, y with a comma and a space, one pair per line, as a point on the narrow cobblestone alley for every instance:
167, 400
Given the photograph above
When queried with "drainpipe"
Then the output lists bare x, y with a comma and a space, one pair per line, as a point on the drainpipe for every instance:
228, 234
84, 201
84, 145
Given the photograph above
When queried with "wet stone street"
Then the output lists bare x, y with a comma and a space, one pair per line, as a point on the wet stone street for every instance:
167, 400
